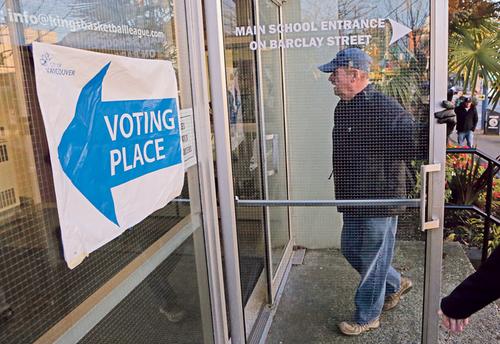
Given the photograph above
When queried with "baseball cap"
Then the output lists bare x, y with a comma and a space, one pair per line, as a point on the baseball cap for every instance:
349, 57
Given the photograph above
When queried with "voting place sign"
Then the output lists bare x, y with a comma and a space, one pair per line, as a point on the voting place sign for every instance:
112, 126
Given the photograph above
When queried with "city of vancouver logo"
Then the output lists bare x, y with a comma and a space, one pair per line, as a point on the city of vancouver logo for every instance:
45, 58
55, 68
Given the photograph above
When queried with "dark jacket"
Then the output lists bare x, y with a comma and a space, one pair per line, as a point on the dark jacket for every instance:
466, 119
476, 291
372, 148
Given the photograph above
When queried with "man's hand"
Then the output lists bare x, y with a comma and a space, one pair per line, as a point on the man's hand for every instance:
454, 325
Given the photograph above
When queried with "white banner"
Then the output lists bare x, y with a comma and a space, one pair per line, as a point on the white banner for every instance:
113, 130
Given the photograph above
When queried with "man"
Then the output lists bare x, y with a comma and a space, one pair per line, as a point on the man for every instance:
467, 119
372, 138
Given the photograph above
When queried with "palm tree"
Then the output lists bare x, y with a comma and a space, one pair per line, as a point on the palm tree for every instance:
472, 13
474, 45
473, 53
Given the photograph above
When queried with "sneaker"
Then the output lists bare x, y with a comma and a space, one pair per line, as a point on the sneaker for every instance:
353, 329
392, 300
174, 315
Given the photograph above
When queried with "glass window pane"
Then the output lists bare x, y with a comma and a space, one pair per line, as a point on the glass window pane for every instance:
274, 129
36, 284
164, 308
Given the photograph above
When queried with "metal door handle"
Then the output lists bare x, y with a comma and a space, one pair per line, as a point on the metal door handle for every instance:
424, 171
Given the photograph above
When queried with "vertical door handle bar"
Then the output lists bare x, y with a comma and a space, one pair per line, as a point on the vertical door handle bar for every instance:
424, 171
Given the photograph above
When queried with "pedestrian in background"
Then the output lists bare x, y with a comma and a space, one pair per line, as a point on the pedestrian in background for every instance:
466, 121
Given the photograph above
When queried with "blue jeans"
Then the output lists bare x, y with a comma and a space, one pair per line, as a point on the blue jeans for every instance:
465, 135
368, 245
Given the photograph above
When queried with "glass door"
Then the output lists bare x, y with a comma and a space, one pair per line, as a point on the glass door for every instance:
256, 116
380, 155
359, 106
241, 81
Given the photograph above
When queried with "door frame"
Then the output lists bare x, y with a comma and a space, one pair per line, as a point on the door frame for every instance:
218, 91
437, 154
435, 204
194, 16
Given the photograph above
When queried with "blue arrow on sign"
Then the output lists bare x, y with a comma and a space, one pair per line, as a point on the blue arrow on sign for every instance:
112, 142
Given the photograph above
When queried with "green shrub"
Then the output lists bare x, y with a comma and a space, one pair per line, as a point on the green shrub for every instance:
466, 183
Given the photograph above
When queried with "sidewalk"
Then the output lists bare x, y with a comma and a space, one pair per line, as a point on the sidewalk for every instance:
490, 144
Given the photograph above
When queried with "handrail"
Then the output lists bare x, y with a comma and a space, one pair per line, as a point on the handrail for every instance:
486, 214
474, 208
